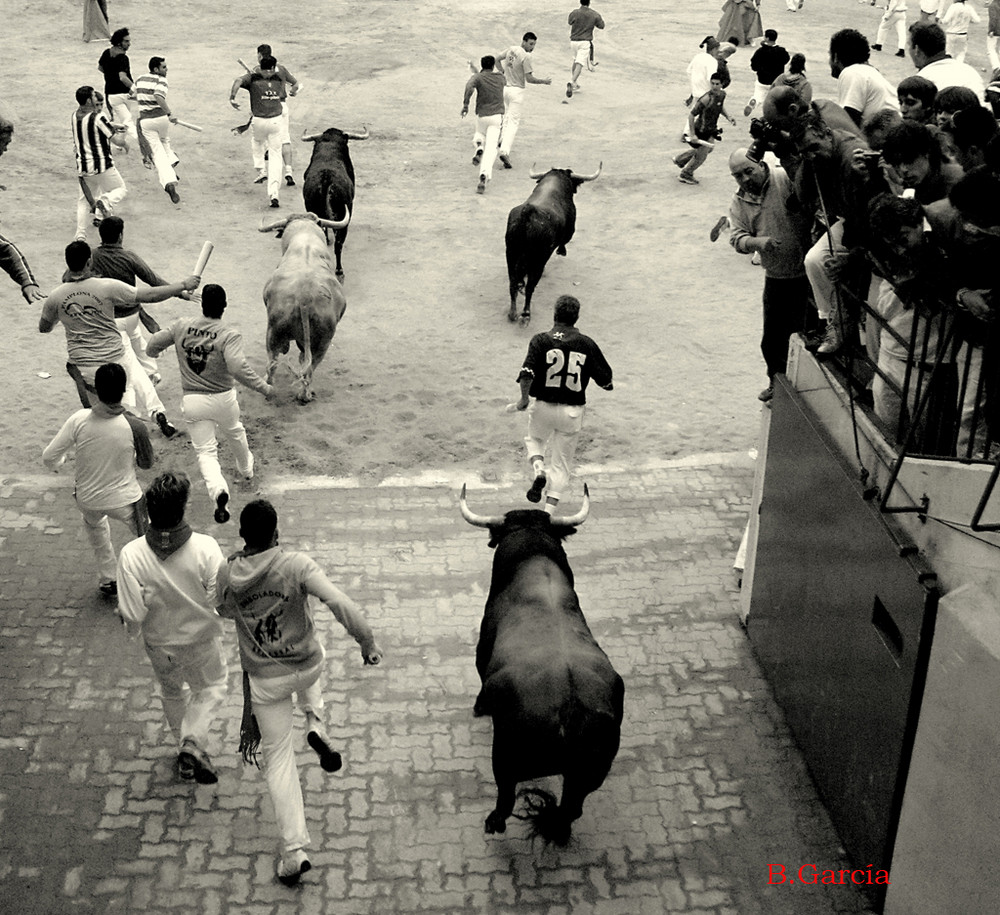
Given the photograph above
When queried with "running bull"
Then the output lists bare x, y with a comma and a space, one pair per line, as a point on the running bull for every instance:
555, 699
544, 223
303, 297
328, 184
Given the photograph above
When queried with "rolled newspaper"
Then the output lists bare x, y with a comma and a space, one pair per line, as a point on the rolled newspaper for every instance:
206, 253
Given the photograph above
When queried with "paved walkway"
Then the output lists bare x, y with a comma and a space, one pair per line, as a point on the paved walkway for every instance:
707, 789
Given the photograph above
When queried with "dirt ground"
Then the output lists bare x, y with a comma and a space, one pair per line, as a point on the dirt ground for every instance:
425, 359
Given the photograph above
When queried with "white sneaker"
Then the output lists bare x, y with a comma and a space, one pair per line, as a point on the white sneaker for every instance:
291, 866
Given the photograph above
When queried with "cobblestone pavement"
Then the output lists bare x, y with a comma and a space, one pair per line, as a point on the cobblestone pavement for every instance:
707, 789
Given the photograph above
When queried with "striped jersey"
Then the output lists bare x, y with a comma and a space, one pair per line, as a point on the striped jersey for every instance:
146, 87
92, 138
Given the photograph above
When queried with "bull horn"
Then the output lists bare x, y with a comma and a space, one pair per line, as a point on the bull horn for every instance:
589, 177
534, 174
335, 223
581, 515
351, 135
308, 137
473, 518
271, 226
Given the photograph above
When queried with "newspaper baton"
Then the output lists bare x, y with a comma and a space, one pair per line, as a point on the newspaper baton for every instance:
206, 253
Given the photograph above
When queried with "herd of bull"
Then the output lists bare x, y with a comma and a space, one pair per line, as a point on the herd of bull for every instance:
304, 297
555, 700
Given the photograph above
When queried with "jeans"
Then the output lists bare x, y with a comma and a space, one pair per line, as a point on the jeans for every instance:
557, 425
157, 134
265, 136
98, 530
487, 137
209, 414
272, 706
107, 187
192, 686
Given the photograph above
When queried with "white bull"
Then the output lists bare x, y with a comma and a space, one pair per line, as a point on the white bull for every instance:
303, 297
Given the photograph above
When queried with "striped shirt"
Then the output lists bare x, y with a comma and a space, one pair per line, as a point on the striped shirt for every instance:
146, 88
92, 138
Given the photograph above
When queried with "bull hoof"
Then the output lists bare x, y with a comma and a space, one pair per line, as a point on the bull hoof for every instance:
525, 318
495, 823
512, 315
561, 250
307, 397
339, 274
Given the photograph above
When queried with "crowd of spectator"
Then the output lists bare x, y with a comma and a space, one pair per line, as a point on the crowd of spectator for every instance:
895, 194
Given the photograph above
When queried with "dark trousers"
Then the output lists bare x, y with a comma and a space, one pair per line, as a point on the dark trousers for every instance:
786, 306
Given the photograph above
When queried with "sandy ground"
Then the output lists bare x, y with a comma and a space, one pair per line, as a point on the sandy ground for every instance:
424, 360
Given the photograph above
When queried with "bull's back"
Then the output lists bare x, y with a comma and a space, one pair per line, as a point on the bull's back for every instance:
325, 187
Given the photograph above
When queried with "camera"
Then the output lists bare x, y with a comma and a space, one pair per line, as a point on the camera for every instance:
768, 138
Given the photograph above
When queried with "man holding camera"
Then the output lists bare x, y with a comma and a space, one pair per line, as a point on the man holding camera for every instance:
761, 221
703, 130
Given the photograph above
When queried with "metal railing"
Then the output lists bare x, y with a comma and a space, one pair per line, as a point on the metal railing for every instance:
931, 398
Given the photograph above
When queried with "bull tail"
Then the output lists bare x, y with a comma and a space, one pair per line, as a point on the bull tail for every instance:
545, 817
305, 358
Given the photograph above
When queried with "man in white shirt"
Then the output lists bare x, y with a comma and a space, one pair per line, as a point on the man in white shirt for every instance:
862, 90
108, 443
515, 64
166, 588
927, 51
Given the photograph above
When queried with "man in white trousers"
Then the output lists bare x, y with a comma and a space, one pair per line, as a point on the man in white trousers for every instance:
211, 359
489, 87
267, 129
155, 118
166, 590
894, 18
101, 187
515, 64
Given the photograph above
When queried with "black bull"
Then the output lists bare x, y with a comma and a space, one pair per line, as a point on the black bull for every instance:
555, 699
544, 223
328, 183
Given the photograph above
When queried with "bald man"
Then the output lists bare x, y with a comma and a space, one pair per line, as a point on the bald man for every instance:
761, 221
12, 261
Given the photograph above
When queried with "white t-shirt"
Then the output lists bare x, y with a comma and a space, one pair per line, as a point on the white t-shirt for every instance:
864, 89
700, 72
516, 64
949, 72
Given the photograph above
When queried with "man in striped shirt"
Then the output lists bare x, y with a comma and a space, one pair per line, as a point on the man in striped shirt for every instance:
155, 118
101, 187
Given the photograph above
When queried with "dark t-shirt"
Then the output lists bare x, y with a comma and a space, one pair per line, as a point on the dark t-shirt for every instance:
111, 66
768, 62
561, 363
706, 113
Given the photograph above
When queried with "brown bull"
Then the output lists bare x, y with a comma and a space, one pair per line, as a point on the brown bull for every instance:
303, 297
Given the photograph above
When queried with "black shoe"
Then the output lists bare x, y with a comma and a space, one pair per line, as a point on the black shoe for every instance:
537, 486
901, 53
289, 871
166, 427
478, 157
290, 181
768, 392
108, 588
171, 190
876, 47
718, 227
329, 758
221, 501
274, 203
193, 764
506, 160
481, 187
569, 90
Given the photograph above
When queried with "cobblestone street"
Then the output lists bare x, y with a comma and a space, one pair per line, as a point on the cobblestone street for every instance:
706, 791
